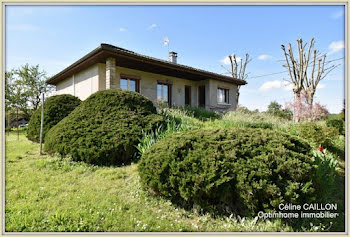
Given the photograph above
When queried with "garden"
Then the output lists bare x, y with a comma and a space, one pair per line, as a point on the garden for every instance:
116, 163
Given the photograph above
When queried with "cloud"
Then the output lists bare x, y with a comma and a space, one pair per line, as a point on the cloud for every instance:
151, 27
264, 57
335, 46
338, 14
227, 61
122, 29
321, 86
276, 84
23, 27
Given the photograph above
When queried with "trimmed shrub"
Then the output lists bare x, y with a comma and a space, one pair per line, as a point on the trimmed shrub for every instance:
315, 133
105, 128
55, 109
241, 170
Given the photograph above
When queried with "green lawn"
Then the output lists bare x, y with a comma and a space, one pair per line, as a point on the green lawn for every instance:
46, 193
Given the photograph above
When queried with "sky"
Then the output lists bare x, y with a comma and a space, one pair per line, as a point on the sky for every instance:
203, 36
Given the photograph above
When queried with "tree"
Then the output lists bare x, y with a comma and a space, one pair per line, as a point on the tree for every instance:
274, 106
238, 73
33, 80
318, 111
275, 109
302, 78
24, 87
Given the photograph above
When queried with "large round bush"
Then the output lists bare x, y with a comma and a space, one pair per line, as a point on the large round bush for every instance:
241, 170
105, 128
55, 109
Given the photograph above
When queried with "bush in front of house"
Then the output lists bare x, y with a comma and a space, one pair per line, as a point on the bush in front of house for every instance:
55, 109
315, 133
105, 129
241, 170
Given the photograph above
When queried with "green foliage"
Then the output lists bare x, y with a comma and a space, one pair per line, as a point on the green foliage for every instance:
242, 170
245, 110
316, 133
105, 128
275, 109
171, 125
337, 147
55, 109
24, 87
325, 173
199, 113
49, 194
249, 120
337, 123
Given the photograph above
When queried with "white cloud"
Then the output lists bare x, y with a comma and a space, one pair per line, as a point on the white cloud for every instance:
276, 84
335, 46
321, 86
227, 61
338, 14
151, 27
264, 57
122, 29
23, 27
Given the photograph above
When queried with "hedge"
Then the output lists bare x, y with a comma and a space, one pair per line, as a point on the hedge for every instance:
55, 109
105, 128
237, 170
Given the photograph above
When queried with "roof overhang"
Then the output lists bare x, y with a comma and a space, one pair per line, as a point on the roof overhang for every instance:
129, 59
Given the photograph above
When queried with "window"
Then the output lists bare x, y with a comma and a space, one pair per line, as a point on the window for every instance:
129, 83
187, 95
223, 96
163, 92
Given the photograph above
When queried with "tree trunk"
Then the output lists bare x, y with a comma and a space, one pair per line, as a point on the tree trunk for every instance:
297, 112
310, 102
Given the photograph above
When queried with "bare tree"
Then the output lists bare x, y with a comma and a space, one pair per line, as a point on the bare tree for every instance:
301, 78
238, 73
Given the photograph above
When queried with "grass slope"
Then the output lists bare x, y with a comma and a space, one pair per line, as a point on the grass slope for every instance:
49, 194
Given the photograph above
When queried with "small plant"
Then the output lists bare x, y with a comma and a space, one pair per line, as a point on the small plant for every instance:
172, 124
325, 173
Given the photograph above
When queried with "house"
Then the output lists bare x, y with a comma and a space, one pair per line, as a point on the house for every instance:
109, 66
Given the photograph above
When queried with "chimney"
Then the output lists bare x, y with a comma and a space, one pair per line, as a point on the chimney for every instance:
173, 57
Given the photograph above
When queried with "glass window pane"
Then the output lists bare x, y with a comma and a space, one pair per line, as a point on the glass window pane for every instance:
220, 96
165, 93
123, 84
159, 92
132, 85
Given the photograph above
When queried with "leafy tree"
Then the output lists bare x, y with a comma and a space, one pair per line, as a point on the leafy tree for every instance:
274, 106
24, 87
275, 109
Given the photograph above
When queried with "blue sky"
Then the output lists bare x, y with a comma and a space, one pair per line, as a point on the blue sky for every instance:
56, 36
